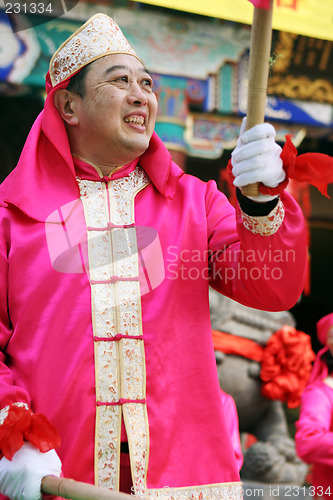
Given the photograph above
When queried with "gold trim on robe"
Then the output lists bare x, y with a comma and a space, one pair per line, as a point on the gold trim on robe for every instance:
224, 491
265, 225
117, 326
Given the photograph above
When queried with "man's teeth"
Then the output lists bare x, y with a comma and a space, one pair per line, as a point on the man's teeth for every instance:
135, 119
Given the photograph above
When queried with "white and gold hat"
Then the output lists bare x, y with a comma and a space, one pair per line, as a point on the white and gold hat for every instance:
98, 37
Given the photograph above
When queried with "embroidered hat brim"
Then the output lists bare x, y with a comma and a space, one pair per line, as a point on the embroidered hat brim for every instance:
98, 37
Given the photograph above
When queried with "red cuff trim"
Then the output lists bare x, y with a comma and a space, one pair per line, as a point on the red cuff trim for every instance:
22, 425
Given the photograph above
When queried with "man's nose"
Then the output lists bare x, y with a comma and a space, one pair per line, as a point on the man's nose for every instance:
137, 95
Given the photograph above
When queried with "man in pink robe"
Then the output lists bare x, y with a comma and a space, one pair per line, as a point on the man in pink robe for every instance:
107, 253
314, 429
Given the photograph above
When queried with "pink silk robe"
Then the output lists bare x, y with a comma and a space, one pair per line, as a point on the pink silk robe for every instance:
314, 435
84, 346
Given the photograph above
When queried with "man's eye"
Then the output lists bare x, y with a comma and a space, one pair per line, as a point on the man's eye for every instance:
122, 79
147, 82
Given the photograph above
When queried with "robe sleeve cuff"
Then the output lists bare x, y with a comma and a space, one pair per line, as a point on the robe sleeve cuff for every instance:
254, 208
264, 225
18, 424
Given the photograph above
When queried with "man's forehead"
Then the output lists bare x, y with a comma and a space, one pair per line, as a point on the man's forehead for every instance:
114, 62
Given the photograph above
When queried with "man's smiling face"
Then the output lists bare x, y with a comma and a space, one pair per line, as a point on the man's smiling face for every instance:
117, 114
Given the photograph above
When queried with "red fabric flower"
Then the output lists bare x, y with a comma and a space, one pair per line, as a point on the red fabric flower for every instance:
22, 425
286, 365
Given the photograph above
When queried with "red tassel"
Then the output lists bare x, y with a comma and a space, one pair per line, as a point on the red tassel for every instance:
314, 168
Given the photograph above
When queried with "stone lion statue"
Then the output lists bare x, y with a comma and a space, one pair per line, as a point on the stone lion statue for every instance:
272, 458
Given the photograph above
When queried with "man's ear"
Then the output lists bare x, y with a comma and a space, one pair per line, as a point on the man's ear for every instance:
66, 104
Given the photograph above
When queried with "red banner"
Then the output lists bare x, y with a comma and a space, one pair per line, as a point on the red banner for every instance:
309, 18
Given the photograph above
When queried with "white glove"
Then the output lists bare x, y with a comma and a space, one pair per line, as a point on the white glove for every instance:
256, 158
21, 477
